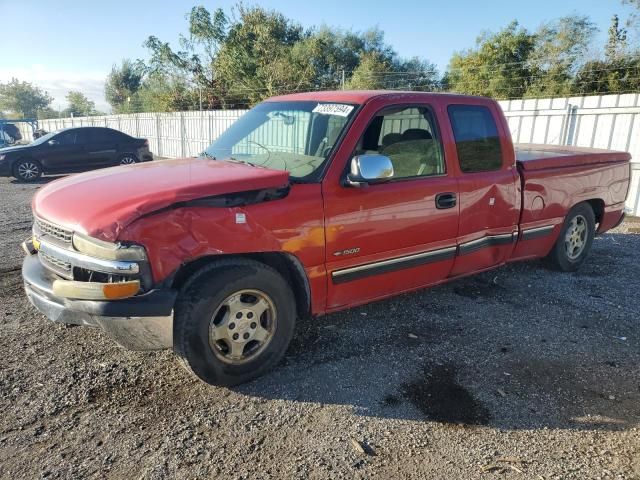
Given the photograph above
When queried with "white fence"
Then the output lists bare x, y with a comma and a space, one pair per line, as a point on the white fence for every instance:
609, 121
605, 121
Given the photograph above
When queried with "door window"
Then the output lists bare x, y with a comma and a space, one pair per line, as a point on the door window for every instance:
82, 137
66, 138
408, 136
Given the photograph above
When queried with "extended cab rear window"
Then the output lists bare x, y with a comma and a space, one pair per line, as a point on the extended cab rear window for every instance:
477, 139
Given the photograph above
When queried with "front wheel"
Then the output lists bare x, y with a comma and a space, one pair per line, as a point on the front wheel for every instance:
574, 243
233, 321
27, 170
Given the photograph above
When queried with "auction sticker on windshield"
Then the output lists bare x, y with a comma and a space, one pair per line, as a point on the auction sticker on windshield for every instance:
333, 109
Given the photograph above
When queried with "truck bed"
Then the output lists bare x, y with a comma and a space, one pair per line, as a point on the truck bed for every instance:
556, 177
532, 156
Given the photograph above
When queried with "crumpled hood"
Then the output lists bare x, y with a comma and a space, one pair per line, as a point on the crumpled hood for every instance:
103, 202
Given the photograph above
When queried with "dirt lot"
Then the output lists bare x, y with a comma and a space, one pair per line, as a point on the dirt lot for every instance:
516, 373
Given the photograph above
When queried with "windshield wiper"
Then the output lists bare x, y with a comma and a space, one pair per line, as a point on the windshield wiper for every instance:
206, 154
235, 160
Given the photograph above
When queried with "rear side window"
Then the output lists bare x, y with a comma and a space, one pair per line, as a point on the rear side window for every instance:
477, 139
102, 135
119, 136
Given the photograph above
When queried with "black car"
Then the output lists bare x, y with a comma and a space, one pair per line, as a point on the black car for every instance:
73, 150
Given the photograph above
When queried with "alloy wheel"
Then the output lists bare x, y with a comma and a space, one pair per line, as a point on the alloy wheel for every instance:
242, 326
575, 238
28, 170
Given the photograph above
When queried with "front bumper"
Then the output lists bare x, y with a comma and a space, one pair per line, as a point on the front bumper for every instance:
143, 322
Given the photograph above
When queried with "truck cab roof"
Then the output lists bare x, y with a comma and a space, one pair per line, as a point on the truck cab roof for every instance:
363, 96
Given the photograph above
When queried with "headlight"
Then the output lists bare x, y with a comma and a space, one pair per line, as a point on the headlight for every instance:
2, 157
106, 250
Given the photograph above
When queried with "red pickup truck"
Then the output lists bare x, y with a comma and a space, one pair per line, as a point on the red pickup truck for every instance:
310, 203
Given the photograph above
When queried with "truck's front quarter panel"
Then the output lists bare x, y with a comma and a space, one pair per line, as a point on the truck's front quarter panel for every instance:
294, 224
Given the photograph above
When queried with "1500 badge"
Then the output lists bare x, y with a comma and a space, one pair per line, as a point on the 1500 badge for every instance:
348, 251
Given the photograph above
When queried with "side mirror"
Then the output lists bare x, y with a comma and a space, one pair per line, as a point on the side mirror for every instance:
53, 142
369, 169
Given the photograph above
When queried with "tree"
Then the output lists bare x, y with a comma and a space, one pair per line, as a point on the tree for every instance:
195, 62
366, 54
617, 40
122, 85
165, 93
239, 59
498, 66
23, 98
264, 54
79, 105
559, 50
338, 52
414, 74
618, 72
370, 72
609, 76
48, 112
634, 19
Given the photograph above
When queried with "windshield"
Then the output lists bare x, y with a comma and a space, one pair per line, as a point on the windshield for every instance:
293, 136
45, 138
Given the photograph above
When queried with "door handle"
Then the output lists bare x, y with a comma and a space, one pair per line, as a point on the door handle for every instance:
446, 200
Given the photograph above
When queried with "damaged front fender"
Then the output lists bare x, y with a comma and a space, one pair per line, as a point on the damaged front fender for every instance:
274, 220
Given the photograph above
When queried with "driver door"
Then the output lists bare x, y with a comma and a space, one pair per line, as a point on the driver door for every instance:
62, 153
399, 235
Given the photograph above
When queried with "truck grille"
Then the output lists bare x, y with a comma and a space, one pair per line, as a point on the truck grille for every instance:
47, 228
56, 265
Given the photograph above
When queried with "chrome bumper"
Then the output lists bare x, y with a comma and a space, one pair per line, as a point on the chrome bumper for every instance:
139, 323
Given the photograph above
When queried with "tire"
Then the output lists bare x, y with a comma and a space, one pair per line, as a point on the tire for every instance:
208, 315
575, 240
127, 159
27, 170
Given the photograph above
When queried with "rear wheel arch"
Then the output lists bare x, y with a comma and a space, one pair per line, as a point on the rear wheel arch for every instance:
597, 205
286, 264
127, 154
570, 237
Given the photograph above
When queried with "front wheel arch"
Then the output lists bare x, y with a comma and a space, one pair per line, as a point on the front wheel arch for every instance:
204, 293
286, 264
17, 162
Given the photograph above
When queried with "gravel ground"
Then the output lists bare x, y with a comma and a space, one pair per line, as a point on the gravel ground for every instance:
516, 373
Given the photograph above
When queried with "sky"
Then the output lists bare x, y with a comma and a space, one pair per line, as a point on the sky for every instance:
71, 45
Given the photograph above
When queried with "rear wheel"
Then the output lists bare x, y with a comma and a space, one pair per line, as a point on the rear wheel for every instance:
128, 159
574, 243
233, 321
27, 170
